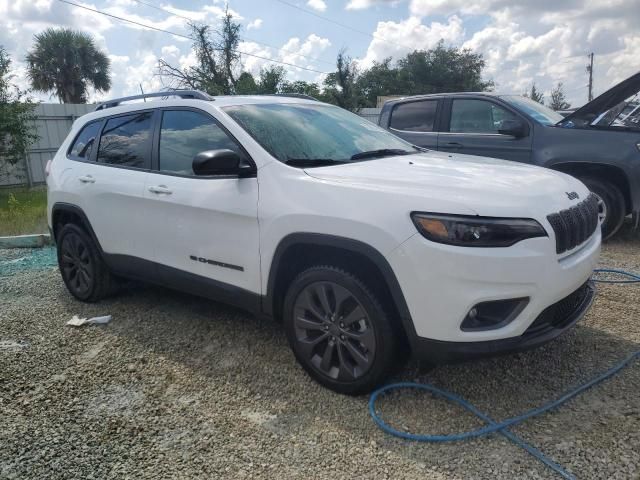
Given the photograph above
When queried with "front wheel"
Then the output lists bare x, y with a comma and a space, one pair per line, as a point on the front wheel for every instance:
611, 206
338, 330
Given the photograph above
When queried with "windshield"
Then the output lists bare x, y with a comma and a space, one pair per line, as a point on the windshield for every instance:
305, 134
536, 110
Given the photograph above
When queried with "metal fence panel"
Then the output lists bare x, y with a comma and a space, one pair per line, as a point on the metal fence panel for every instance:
53, 123
370, 114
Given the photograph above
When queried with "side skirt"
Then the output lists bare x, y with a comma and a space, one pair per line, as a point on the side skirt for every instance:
151, 272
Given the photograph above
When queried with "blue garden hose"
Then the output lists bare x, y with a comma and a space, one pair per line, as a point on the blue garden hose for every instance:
632, 276
500, 427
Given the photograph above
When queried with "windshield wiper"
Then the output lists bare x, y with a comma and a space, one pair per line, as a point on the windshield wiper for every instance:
382, 152
313, 162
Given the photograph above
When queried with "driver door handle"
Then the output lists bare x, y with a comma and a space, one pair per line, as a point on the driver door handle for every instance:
160, 189
87, 179
454, 145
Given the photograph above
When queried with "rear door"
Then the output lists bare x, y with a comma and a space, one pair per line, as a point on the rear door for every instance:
471, 127
110, 179
416, 121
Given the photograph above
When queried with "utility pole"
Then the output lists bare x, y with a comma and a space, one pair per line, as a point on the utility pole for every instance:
590, 71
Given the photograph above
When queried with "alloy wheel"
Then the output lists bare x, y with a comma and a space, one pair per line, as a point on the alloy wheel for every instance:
76, 264
333, 331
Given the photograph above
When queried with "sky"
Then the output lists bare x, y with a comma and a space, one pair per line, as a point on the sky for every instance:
522, 41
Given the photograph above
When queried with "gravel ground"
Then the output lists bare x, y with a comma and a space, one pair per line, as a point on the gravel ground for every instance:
180, 387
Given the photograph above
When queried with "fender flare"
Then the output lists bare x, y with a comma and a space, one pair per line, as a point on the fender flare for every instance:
344, 243
76, 211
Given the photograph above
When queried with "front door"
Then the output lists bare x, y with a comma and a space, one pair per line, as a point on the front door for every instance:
205, 227
473, 130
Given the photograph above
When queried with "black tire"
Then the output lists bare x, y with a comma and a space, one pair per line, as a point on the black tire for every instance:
83, 271
364, 350
612, 205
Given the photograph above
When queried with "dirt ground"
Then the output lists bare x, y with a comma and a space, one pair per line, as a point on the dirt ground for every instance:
180, 387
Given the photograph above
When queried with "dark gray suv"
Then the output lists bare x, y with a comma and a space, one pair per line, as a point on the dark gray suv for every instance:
598, 143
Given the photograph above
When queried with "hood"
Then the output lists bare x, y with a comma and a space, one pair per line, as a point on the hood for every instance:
586, 114
440, 182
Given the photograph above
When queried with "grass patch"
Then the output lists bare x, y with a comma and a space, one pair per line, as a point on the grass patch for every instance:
23, 211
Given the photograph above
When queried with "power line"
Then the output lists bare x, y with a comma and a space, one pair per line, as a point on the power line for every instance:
187, 37
344, 25
161, 9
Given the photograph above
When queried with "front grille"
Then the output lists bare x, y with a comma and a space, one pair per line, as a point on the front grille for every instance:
555, 315
575, 225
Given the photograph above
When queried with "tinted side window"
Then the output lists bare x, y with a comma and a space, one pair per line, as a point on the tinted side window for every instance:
477, 116
83, 144
184, 134
415, 116
126, 141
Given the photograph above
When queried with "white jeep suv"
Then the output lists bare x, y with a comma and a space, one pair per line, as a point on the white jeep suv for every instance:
364, 246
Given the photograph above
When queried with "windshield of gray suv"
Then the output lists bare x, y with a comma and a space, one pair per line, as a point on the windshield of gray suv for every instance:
536, 110
313, 135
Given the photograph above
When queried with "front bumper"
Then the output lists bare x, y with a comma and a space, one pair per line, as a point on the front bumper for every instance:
441, 283
550, 324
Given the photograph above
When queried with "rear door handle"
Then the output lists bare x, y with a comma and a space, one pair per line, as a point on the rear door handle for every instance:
87, 179
454, 145
160, 189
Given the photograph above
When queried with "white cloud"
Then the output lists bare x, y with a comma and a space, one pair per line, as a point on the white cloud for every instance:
522, 42
318, 5
396, 39
362, 4
255, 24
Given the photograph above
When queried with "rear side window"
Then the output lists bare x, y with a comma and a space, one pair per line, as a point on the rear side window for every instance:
415, 116
184, 134
83, 144
126, 141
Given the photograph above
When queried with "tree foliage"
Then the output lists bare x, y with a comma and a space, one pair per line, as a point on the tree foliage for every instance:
217, 69
534, 94
558, 99
16, 117
218, 72
67, 63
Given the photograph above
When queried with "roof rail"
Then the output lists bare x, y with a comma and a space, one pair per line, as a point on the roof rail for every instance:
292, 95
193, 94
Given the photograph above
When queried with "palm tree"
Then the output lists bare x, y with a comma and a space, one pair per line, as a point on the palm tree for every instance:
67, 62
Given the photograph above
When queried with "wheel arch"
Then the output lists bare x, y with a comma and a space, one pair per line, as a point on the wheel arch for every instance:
610, 173
63, 213
298, 251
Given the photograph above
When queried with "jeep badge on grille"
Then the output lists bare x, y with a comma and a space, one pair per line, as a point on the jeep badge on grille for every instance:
572, 195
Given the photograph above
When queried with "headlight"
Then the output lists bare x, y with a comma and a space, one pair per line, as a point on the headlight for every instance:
476, 231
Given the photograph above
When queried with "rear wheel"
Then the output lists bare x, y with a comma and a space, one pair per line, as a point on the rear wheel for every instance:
83, 271
338, 330
611, 206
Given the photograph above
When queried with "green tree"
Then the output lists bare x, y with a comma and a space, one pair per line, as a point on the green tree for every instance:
16, 116
67, 63
340, 87
381, 79
271, 79
534, 94
218, 61
558, 99
301, 87
246, 84
441, 69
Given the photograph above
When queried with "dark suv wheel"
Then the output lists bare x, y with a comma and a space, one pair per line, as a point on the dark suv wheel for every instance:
338, 330
611, 206
84, 272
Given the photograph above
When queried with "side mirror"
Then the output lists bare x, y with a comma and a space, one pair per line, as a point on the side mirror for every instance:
515, 128
216, 162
